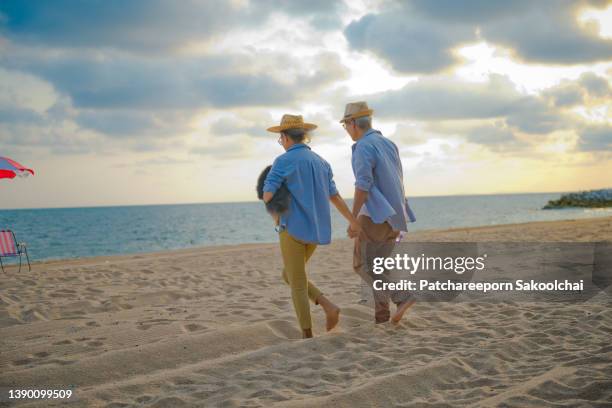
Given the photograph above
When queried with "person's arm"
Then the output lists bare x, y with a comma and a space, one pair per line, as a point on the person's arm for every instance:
334, 196
273, 181
341, 206
363, 165
359, 200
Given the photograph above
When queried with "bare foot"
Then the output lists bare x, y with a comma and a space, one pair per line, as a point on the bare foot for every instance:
401, 309
332, 316
307, 333
332, 312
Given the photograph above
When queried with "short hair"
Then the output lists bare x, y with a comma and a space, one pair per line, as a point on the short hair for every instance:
298, 135
364, 122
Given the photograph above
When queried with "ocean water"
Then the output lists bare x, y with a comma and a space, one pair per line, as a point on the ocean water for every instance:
58, 233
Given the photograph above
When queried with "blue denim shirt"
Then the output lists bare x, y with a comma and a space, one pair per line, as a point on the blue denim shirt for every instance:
378, 170
310, 181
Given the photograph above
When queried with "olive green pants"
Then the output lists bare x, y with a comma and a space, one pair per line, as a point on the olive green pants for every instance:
295, 255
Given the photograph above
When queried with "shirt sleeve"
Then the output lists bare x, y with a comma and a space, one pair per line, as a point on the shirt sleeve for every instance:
275, 177
363, 163
332, 184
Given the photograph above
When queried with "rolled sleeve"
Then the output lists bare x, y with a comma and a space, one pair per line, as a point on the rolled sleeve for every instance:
332, 184
275, 178
363, 163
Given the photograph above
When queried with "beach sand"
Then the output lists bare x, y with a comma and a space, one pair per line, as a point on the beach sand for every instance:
215, 327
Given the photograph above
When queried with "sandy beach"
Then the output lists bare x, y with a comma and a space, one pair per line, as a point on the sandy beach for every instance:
215, 327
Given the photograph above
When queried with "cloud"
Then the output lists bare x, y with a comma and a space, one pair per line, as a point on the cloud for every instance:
255, 122
140, 101
570, 94
145, 83
533, 115
57, 139
233, 126
497, 137
126, 82
596, 139
13, 114
448, 98
134, 124
588, 86
62, 129
596, 86
143, 26
468, 11
409, 135
548, 32
490, 135
444, 98
420, 36
229, 151
408, 42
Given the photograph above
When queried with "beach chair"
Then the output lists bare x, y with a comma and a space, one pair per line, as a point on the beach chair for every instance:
10, 248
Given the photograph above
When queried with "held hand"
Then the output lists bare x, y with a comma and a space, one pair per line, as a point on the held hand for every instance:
354, 229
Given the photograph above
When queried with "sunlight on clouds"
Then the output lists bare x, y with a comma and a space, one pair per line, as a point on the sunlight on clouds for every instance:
483, 59
596, 114
557, 144
603, 19
369, 75
27, 91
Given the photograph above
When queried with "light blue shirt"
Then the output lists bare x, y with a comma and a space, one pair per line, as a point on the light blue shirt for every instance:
378, 170
310, 181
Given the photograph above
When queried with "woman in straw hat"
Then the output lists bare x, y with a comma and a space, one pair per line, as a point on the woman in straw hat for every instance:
307, 223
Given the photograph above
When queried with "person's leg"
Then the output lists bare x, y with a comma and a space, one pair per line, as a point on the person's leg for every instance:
386, 236
332, 312
293, 253
361, 254
313, 291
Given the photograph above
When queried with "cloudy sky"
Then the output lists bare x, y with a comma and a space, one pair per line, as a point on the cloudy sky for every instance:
150, 101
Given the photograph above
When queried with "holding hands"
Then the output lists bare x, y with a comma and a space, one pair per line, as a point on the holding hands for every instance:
354, 229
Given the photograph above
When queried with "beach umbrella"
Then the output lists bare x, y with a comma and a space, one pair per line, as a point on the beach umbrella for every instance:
10, 168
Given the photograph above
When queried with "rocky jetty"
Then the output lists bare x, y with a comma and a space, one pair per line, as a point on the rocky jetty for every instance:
591, 199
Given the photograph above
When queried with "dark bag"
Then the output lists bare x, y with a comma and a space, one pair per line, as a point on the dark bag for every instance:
280, 201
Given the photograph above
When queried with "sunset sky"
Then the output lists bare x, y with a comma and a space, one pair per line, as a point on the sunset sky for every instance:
144, 102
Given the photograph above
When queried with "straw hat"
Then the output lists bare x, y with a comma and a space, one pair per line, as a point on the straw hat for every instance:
292, 122
356, 110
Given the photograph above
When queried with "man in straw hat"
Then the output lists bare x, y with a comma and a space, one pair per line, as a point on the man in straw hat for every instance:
307, 223
380, 205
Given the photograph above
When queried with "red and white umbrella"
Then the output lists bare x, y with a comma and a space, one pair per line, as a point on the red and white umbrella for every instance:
10, 168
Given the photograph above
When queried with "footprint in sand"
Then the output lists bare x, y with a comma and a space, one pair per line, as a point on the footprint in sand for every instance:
144, 399
22, 362
192, 327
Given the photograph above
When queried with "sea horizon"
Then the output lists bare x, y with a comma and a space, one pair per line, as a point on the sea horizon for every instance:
77, 232
258, 201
